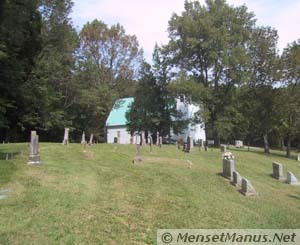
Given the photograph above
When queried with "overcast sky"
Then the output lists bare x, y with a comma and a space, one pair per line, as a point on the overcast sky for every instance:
148, 19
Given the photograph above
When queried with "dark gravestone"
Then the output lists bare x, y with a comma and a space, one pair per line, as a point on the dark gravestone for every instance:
187, 145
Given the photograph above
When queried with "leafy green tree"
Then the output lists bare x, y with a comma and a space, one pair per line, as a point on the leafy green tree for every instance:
288, 97
154, 108
209, 43
52, 86
20, 43
264, 68
108, 63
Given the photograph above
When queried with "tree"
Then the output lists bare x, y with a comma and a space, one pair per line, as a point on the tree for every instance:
52, 86
209, 43
154, 108
288, 97
110, 55
20, 26
264, 67
108, 63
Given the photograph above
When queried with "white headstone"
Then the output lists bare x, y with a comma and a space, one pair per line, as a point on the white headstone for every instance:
143, 138
223, 148
91, 139
34, 155
150, 142
239, 144
202, 143
291, 179
160, 141
298, 157
191, 142
83, 141
66, 137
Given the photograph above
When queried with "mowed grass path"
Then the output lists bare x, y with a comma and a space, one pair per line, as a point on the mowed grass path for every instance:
100, 197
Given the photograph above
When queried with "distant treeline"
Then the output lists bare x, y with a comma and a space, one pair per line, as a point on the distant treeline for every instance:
52, 76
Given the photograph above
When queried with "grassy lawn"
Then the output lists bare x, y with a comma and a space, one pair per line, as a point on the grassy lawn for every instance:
99, 197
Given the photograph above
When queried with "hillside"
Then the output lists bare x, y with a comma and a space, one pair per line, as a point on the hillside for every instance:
100, 197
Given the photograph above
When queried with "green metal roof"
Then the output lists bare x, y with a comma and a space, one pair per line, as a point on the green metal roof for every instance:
117, 115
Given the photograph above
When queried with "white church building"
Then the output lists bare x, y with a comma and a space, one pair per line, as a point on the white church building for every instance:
117, 130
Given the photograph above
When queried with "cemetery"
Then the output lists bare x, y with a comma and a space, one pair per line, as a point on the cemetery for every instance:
185, 116
72, 197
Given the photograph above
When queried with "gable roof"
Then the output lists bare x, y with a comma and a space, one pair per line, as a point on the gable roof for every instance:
117, 116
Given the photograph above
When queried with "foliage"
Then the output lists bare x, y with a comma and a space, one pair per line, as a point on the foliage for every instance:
288, 97
108, 62
208, 43
154, 108
20, 26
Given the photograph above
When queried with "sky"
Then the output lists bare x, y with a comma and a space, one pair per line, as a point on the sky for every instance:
148, 19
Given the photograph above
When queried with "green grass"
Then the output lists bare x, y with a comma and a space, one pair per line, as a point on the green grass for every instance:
100, 197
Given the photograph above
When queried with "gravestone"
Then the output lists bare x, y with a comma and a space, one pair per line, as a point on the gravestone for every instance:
277, 171
298, 157
191, 143
157, 138
202, 143
223, 148
187, 147
34, 155
137, 159
136, 139
150, 142
131, 140
236, 179
91, 139
247, 188
228, 168
239, 144
83, 141
4, 193
160, 141
179, 143
143, 138
66, 137
291, 179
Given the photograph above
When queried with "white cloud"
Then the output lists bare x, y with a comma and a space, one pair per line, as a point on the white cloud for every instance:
148, 20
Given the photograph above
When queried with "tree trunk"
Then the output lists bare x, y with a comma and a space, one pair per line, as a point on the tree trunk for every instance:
248, 145
288, 147
266, 144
